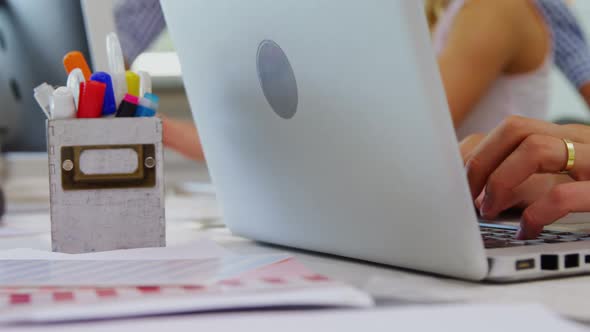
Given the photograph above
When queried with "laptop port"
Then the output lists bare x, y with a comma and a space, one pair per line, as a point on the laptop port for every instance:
572, 261
525, 264
587, 259
550, 262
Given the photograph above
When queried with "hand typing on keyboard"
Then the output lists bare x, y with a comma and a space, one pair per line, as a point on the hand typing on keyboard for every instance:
519, 163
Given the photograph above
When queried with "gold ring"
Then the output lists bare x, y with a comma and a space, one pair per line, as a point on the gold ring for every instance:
571, 156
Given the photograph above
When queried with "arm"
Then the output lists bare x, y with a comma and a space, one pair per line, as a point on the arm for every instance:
482, 43
183, 137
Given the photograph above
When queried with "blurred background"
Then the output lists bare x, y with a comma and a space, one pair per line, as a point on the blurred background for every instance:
35, 34
566, 103
161, 61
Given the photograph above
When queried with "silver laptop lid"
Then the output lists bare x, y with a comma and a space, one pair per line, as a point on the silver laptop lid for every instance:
325, 128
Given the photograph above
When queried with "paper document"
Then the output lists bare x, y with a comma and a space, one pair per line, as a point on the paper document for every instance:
199, 262
40, 286
285, 284
35, 273
199, 249
480, 318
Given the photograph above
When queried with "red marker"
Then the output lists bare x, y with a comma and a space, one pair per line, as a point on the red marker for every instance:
91, 99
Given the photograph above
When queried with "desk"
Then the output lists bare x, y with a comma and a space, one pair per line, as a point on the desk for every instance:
389, 286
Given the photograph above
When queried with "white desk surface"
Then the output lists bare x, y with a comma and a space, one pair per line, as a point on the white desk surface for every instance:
390, 287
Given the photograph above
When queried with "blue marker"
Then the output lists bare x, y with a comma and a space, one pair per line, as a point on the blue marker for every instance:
109, 106
148, 105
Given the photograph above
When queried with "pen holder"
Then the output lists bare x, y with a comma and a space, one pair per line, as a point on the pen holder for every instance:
106, 184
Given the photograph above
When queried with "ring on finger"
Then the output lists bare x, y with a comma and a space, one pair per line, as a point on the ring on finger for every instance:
571, 156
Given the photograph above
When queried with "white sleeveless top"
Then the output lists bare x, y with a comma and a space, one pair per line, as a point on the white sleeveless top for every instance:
520, 94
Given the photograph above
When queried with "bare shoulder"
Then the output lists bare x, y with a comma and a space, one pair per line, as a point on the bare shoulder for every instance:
498, 11
489, 24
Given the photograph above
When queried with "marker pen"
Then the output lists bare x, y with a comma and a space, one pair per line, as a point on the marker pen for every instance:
128, 106
91, 99
116, 66
109, 106
75, 59
74, 79
145, 83
148, 105
132, 83
43, 95
63, 106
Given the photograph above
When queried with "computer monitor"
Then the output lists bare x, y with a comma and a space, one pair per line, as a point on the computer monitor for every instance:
34, 37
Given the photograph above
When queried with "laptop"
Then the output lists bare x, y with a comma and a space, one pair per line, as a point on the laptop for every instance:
326, 128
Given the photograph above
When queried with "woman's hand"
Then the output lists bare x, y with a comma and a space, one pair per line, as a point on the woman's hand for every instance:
520, 159
525, 194
183, 137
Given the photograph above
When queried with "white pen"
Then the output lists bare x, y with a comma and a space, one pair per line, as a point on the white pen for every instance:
43, 95
63, 106
116, 66
145, 83
75, 77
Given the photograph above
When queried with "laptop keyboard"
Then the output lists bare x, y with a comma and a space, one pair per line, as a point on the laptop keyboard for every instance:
505, 237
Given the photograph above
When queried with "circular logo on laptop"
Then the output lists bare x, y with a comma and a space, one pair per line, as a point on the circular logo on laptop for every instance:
277, 79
